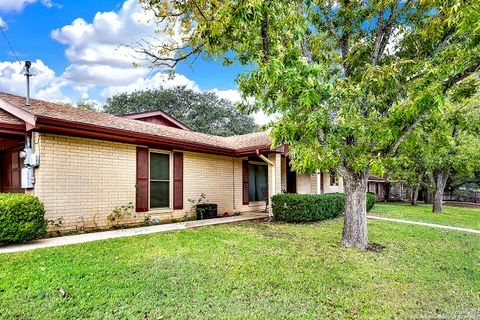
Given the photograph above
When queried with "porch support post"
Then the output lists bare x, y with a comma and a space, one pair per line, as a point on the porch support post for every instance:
274, 177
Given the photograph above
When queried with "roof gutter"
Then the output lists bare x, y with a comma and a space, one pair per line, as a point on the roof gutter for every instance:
261, 156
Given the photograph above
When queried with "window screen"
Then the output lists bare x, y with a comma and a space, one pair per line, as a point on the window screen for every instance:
159, 180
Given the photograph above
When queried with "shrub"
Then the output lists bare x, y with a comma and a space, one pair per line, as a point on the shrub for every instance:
307, 207
291, 207
21, 218
371, 197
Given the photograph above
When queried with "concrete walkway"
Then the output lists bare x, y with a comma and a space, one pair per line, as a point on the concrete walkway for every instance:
95, 236
439, 226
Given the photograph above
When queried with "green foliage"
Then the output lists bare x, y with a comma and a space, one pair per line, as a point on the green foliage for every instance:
201, 111
189, 215
249, 270
291, 207
371, 198
349, 81
121, 213
86, 105
21, 218
462, 217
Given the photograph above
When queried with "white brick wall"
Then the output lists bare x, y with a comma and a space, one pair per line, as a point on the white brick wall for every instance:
83, 180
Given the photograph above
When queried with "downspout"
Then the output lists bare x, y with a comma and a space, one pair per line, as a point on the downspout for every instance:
319, 182
233, 182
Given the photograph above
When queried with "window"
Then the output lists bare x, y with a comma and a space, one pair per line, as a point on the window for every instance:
257, 182
159, 180
333, 179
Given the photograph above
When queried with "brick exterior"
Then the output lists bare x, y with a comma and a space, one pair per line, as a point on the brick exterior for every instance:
307, 184
83, 180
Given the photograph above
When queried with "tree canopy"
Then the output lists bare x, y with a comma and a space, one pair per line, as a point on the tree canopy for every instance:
201, 111
350, 80
444, 146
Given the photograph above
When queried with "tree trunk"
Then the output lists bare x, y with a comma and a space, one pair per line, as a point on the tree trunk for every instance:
355, 220
440, 183
414, 196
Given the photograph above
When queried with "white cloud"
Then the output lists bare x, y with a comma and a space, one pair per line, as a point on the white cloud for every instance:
18, 5
3, 24
99, 51
158, 80
229, 94
100, 64
234, 96
44, 85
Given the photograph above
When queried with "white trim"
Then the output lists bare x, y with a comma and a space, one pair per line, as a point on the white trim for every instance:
258, 163
170, 196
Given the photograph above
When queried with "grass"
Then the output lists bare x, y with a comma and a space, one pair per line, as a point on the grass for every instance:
452, 216
248, 270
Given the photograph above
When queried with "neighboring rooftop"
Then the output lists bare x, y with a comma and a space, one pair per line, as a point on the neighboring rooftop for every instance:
157, 117
49, 110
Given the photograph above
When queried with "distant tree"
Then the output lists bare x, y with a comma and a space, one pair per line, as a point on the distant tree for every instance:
201, 111
451, 149
444, 146
409, 166
86, 105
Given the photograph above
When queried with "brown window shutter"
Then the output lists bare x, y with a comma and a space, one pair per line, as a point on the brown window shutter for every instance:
245, 182
142, 180
177, 180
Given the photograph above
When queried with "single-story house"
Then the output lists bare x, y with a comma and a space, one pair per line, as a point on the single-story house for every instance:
83, 164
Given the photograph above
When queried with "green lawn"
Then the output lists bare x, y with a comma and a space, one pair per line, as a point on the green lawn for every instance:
452, 216
248, 270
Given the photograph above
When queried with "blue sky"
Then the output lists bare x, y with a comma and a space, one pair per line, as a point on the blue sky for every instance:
75, 49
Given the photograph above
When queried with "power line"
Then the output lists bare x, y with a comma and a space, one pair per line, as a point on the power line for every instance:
10, 45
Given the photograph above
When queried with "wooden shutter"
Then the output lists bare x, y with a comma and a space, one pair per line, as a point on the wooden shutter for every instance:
142, 180
177, 180
245, 199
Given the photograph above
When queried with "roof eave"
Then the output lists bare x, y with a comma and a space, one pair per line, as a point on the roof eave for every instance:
18, 112
8, 128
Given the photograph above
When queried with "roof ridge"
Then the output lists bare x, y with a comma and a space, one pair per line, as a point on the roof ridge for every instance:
64, 112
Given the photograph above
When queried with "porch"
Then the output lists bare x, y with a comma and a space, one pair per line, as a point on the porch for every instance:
11, 163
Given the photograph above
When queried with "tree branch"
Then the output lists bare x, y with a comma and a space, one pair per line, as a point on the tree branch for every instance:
378, 35
474, 67
265, 38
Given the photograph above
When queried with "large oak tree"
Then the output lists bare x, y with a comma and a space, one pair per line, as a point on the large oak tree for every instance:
201, 111
350, 80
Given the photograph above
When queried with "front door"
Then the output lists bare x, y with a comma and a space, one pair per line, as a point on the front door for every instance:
291, 179
11, 166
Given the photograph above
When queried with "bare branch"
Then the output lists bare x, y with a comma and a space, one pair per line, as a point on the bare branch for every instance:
328, 23
378, 35
307, 53
388, 28
171, 56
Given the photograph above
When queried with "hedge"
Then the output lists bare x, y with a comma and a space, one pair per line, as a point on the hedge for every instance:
307, 207
21, 218
291, 207
371, 198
